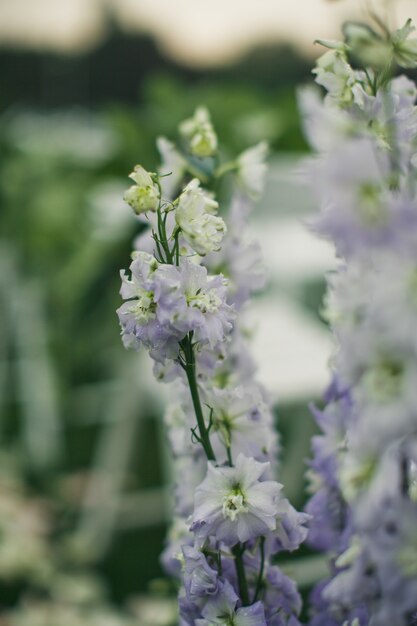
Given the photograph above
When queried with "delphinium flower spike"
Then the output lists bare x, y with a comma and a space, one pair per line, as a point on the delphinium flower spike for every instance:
192, 272
364, 506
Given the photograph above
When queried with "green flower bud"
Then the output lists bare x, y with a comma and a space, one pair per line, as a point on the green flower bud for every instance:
199, 134
335, 74
367, 46
145, 195
404, 49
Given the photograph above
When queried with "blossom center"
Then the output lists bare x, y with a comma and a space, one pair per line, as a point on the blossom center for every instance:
206, 302
384, 380
144, 308
233, 504
369, 206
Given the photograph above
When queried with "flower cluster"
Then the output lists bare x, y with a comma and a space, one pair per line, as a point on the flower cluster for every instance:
192, 272
363, 472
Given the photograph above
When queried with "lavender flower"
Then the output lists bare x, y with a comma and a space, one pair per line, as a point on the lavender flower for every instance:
222, 611
166, 302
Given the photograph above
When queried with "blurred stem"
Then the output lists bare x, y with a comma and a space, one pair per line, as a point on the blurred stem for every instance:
261, 570
197, 173
225, 168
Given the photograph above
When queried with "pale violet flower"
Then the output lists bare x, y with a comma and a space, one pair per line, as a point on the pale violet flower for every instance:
195, 216
324, 127
235, 503
188, 300
144, 195
240, 258
222, 610
138, 314
251, 169
200, 580
199, 134
165, 302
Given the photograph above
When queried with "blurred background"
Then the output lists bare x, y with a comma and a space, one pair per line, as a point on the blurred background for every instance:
87, 86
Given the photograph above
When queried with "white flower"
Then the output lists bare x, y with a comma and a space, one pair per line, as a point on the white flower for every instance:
144, 196
251, 169
199, 134
194, 214
234, 503
335, 74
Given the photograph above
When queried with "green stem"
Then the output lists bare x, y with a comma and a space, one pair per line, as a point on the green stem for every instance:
163, 237
189, 368
177, 246
225, 168
197, 173
241, 575
261, 571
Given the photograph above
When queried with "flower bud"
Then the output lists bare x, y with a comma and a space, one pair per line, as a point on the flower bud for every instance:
145, 195
199, 134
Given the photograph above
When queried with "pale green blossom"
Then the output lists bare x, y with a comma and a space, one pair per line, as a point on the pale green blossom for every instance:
335, 74
368, 46
199, 134
380, 51
145, 194
195, 216
405, 50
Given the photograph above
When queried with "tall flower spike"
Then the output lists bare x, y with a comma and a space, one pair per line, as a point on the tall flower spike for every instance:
230, 515
363, 507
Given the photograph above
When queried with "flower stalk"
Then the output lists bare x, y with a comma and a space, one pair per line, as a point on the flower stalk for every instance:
185, 313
